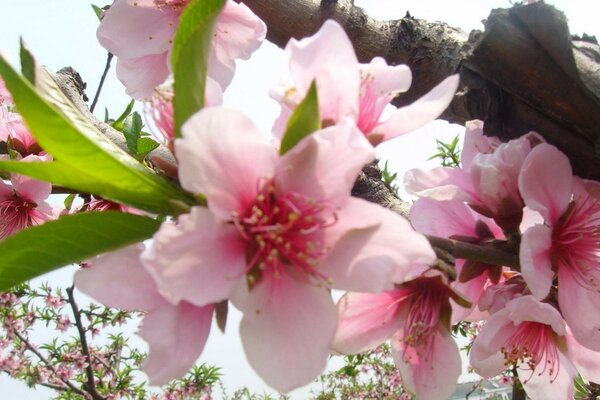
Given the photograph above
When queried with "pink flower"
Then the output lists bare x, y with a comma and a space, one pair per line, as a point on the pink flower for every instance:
23, 204
416, 316
454, 219
160, 108
5, 97
63, 323
279, 231
358, 91
175, 332
566, 246
533, 337
13, 130
487, 181
140, 34
54, 301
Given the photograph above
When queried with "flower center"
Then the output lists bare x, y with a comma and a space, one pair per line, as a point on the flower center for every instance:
15, 214
282, 231
371, 105
531, 344
576, 240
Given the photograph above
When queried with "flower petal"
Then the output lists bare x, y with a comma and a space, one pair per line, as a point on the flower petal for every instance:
238, 33
118, 279
199, 259
132, 31
366, 320
376, 248
539, 384
440, 183
585, 360
223, 156
424, 110
443, 218
430, 377
545, 181
176, 336
534, 255
313, 166
141, 75
579, 306
476, 143
287, 330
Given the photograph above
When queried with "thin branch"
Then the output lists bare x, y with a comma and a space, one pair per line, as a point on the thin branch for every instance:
48, 364
102, 79
52, 386
475, 252
89, 370
518, 393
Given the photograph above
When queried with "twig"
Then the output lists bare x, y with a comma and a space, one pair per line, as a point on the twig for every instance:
102, 79
89, 370
48, 364
52, 386
518, 393
475, 252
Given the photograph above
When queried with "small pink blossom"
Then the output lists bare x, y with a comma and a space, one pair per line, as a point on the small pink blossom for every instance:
63, 323
357, 91
487, 181
22, 204
416, 316
13, 130
54, 301
176, 333
140, 34
566, 245
5, 96
533, 337
279, 231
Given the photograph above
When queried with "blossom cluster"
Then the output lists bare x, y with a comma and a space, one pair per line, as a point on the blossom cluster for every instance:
275, 229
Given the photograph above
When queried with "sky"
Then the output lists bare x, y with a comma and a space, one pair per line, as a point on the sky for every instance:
62, 33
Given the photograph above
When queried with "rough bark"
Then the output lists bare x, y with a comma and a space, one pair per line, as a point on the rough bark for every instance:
524, 72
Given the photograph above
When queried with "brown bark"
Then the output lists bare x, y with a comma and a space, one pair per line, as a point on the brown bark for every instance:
523, 73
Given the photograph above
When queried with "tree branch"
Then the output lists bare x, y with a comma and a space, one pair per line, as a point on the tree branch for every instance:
89, 369
523, 73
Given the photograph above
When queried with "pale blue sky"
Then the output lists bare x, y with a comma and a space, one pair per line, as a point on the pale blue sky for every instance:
62, 33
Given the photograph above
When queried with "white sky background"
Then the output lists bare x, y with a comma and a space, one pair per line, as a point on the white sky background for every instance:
62, 33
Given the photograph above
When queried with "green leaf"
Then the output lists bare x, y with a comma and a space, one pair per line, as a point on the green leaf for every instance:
27, 63
118, 124
69, 201
132, 127
70, 239
99, 11
189, 57
84, 152
144, 146
304, 121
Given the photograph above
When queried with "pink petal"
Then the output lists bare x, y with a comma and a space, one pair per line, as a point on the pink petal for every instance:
485, 356
443, 218
199, 259
328, 57
426, 109
141, 75
539, 385
366, 321
580, 306
528, 308
224, 157
545, 181
238, 33
441, 183
287, 330
31, 189
176, 336
534, 255
476, 143
376, 248
118, 279
586, 361
133, 31
6, 191
313, 168
433, 377
388, 80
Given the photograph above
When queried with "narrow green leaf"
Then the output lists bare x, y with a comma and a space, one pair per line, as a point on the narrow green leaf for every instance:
98, 11
304, 121
69, 201
189, 57
84, 152
27, 63
144, 146
118, 124
132, 127
70, 239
